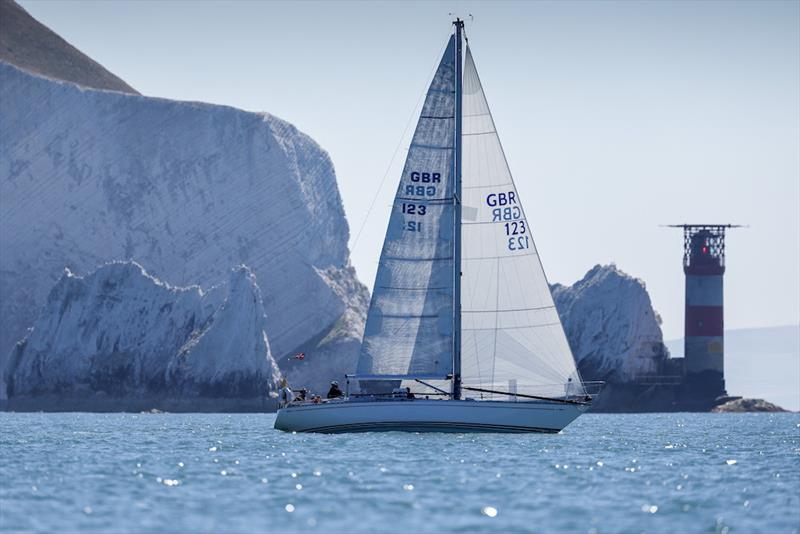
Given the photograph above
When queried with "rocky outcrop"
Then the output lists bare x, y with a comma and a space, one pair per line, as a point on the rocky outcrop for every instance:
120, 339
614, 333
747, 405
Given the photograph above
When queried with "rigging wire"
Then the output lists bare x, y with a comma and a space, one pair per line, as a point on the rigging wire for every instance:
399, 144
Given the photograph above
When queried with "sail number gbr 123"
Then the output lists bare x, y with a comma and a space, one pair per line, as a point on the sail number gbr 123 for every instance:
506, 210
420, 188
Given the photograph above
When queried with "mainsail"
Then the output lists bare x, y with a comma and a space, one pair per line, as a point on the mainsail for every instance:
512, 338
409, 330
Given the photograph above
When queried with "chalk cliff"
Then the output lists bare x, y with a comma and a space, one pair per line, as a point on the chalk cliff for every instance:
189, 190
614, 333
119, 339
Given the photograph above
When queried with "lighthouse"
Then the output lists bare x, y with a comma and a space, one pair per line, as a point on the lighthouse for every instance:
704, 344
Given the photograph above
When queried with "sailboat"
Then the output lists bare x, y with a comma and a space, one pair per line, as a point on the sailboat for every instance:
461, 310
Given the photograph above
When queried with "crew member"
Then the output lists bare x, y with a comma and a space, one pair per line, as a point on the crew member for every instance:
286, 395
334, 392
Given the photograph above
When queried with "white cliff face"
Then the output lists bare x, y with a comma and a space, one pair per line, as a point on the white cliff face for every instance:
186, 189
231, 357
614, 333
128, 337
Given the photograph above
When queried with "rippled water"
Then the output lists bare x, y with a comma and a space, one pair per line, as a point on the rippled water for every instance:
234, 473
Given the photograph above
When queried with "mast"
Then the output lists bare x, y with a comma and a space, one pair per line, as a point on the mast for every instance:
459, 27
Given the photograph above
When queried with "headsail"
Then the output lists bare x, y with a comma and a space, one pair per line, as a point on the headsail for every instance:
409, 330
512, 337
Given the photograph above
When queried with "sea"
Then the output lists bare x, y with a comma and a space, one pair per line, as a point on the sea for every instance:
158, 472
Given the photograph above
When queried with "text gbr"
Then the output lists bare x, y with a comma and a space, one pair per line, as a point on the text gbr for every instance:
420, 188
504, 208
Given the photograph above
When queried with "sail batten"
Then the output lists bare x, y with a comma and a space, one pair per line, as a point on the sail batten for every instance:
431, 147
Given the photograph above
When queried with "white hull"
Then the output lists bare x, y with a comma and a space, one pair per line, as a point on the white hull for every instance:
420, 415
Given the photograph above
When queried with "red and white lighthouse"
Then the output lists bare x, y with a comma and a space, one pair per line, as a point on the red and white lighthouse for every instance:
704, 266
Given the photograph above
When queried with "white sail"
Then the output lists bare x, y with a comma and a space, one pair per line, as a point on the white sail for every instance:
512, 338
409, 330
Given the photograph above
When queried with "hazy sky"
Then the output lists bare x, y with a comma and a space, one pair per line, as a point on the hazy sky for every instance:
616, 117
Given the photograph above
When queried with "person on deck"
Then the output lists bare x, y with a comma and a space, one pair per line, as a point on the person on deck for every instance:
334, 392
286, 394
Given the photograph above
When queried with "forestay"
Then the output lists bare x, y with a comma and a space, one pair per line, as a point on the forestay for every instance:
512, 337
409, 330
